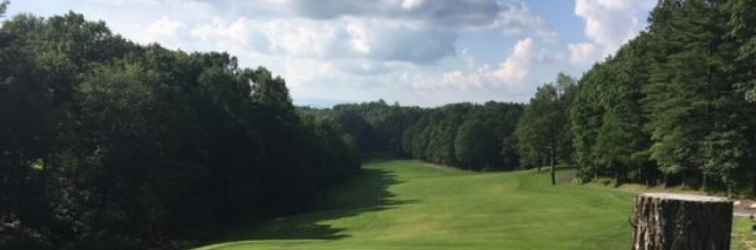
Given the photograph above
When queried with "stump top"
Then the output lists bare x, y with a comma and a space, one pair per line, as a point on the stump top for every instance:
686, 197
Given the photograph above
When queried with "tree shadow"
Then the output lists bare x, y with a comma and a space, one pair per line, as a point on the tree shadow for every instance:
364, 193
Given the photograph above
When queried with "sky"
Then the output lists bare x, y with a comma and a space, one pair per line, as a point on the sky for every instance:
415, 52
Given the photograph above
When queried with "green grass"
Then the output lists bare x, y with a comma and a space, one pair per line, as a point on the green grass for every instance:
742, 238
399, 205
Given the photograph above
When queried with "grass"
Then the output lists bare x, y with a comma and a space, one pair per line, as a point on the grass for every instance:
410, 205
742, 239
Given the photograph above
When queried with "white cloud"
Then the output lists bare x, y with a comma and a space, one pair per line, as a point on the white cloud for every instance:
453, 14
517, 19
423, 52
583, 53
617, 4
608, 24
376, 39
303, 38
513, 73
517, 66
165, 31
128, 2
411, 4
239, 36
274, 2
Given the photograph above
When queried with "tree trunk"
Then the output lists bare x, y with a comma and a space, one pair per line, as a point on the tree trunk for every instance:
553, 171
681, 222
541, 162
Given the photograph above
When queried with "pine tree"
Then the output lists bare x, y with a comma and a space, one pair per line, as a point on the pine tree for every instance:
689, 98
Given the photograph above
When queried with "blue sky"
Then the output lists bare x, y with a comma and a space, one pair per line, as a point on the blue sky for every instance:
416, 52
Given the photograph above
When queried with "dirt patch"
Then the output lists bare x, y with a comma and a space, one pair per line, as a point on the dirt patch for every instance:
745, 208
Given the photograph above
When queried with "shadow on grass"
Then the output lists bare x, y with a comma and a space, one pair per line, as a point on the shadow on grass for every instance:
366, 192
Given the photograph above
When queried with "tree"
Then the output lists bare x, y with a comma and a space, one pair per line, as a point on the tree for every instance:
360, 130
608, 117
673, 101
28, 115
432, 134
3, 7
476, 145
740, 28
692, 98
544, 132
743, 34
106, 142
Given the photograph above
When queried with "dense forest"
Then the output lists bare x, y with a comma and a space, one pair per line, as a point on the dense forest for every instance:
465, 135
675, 105
481, 137
107, 144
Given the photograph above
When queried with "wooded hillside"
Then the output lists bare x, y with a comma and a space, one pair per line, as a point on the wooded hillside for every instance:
106, 144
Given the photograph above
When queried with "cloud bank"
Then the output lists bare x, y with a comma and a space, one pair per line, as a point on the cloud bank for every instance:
424, 52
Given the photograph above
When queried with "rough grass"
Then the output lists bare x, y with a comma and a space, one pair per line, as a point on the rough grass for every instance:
414, 205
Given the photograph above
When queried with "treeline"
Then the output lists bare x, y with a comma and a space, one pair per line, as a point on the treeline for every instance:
469, 136
106, 144
676, 104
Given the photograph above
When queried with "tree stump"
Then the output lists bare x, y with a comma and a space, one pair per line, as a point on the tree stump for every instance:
665, 221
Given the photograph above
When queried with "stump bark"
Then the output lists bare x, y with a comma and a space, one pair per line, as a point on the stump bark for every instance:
681, 222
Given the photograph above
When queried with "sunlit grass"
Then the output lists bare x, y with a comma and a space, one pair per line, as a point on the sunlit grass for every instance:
415, 205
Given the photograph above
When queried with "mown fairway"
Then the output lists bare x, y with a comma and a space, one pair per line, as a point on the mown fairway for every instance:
414, 205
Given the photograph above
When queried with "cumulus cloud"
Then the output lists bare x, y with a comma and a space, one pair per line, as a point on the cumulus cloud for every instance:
345, 49
608, 24
450, 13
517, 66
415, 31
517, 19
382, 40
128, 2
412, 4
379, 40
583, 53
235, 36
513, 72
165, 31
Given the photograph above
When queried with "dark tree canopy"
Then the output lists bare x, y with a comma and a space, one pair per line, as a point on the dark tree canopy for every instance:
470, 136
108, 143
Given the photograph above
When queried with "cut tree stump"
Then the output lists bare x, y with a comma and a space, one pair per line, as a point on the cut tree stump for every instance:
666, 221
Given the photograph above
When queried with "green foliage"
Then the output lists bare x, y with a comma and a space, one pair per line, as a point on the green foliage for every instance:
3, 7
690, 95
608, 116
544, 133
465, 135
106, 144
476, 145
743, 34
672, 104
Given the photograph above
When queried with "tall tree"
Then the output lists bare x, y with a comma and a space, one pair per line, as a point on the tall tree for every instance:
543, 133
742, 31
690, 98
608, 118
